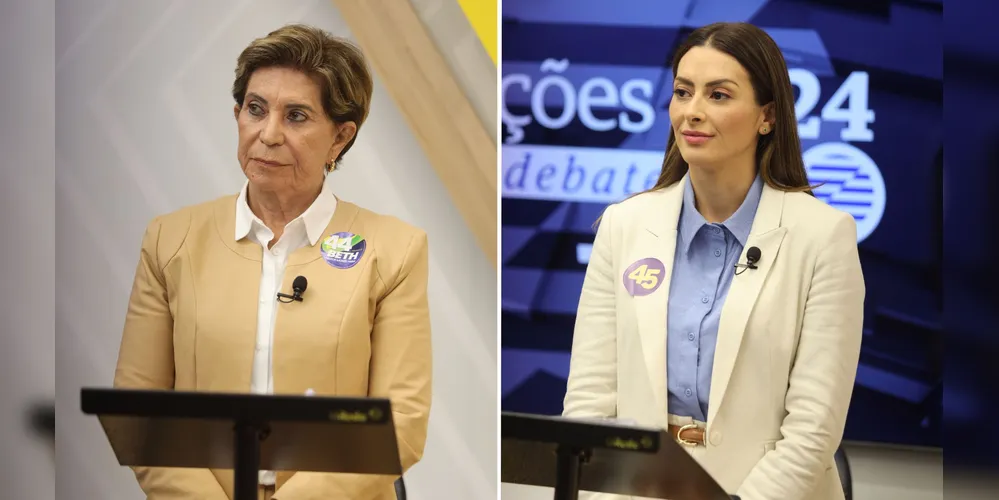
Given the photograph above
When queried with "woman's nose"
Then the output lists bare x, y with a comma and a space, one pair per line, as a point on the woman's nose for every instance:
694, 111
271, 134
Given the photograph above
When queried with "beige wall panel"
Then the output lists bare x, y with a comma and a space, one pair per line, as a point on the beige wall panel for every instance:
442, 118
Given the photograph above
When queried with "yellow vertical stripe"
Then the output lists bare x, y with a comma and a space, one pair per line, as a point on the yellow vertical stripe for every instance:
482, 15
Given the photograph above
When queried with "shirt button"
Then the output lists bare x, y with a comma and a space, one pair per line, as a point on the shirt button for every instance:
717, 253
688, 392
716, 438
690, 336
704, 300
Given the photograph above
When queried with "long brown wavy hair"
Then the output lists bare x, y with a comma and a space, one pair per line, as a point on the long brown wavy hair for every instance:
778, 154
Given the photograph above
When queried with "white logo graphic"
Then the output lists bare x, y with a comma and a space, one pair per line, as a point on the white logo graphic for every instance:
852, 180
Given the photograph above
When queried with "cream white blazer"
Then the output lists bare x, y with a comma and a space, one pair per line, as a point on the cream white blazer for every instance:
787, 350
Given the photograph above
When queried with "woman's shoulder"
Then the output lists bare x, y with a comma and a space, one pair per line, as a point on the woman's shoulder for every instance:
382, 226
181, 219
398, 244
394, 240
642, 204
805, 207
644, 200
805, 213
169, 230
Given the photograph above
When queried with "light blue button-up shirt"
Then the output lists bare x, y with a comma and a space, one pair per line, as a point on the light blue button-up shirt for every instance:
703, 268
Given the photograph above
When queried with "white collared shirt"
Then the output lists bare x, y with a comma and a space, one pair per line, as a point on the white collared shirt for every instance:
304, 230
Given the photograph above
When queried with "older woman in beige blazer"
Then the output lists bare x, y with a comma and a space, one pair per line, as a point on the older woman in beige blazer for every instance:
204, 313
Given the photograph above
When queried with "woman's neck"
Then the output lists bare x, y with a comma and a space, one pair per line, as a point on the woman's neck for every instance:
718, 193
276, 209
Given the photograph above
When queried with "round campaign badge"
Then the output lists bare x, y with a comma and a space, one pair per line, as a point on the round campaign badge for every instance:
343, 250
644, 277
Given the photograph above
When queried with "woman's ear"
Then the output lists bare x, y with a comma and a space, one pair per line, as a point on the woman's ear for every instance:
235, 111
767, 118
344, 133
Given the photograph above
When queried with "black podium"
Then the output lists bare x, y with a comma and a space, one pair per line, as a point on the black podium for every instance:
246, 432
570, 455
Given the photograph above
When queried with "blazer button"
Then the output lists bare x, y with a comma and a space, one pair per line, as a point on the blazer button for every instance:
716, 438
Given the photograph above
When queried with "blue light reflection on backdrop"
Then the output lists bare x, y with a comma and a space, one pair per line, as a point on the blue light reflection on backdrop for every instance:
585, 91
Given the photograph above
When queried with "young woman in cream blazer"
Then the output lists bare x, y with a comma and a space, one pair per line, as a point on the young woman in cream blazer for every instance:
726, 303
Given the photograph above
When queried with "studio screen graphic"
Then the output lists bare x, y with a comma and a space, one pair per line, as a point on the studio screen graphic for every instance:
585, 95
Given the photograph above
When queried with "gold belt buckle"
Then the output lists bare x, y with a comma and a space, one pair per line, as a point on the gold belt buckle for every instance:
686, 442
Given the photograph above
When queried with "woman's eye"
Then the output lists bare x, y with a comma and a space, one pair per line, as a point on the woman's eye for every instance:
718, 95
296, 116
255, 109
680, 92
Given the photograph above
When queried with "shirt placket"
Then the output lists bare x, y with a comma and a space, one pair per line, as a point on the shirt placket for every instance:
712, 245
279, 254
269, 304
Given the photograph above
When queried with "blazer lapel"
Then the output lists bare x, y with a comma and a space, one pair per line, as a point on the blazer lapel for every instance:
303, 327
658, 241
766, 235
238, 298
293, 357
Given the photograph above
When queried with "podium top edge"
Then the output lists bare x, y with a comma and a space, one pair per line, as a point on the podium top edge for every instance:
518, 418
579, 433
159, 403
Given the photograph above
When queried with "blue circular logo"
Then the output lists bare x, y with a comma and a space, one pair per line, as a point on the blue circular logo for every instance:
851, 183
343, 250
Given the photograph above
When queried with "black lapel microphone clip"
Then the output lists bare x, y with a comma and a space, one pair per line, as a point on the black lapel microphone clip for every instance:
752, 257
298, 288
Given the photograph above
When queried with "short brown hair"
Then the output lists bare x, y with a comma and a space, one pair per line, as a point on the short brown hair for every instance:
778, 154
336, 64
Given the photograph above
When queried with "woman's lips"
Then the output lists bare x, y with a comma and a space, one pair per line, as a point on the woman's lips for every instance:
696, 138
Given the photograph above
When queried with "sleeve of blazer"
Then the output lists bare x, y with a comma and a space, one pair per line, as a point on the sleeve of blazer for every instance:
822, 376
401, 370
145, 361
591, 390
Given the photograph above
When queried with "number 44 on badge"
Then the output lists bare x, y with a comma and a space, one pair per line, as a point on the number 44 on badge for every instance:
340, 244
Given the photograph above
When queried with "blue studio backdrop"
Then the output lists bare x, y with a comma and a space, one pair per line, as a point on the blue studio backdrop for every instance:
585, 95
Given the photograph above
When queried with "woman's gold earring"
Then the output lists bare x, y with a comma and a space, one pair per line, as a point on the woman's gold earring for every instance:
765, 130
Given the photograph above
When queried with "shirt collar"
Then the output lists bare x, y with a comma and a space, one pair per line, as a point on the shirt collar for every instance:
739, 223
316, 217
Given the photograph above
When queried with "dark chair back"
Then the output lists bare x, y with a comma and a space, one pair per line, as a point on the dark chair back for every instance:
843, 465
400, 489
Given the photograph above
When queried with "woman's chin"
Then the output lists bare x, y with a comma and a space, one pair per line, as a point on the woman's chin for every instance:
266, 184
266, 176
699, 158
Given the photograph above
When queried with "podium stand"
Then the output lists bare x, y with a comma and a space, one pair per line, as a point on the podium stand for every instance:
246, 432
572, 455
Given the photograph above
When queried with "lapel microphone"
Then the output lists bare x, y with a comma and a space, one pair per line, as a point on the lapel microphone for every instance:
298, 287
752, 257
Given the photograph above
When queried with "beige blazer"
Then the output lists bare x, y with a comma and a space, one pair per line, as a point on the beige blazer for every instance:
787, 350
364, 331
